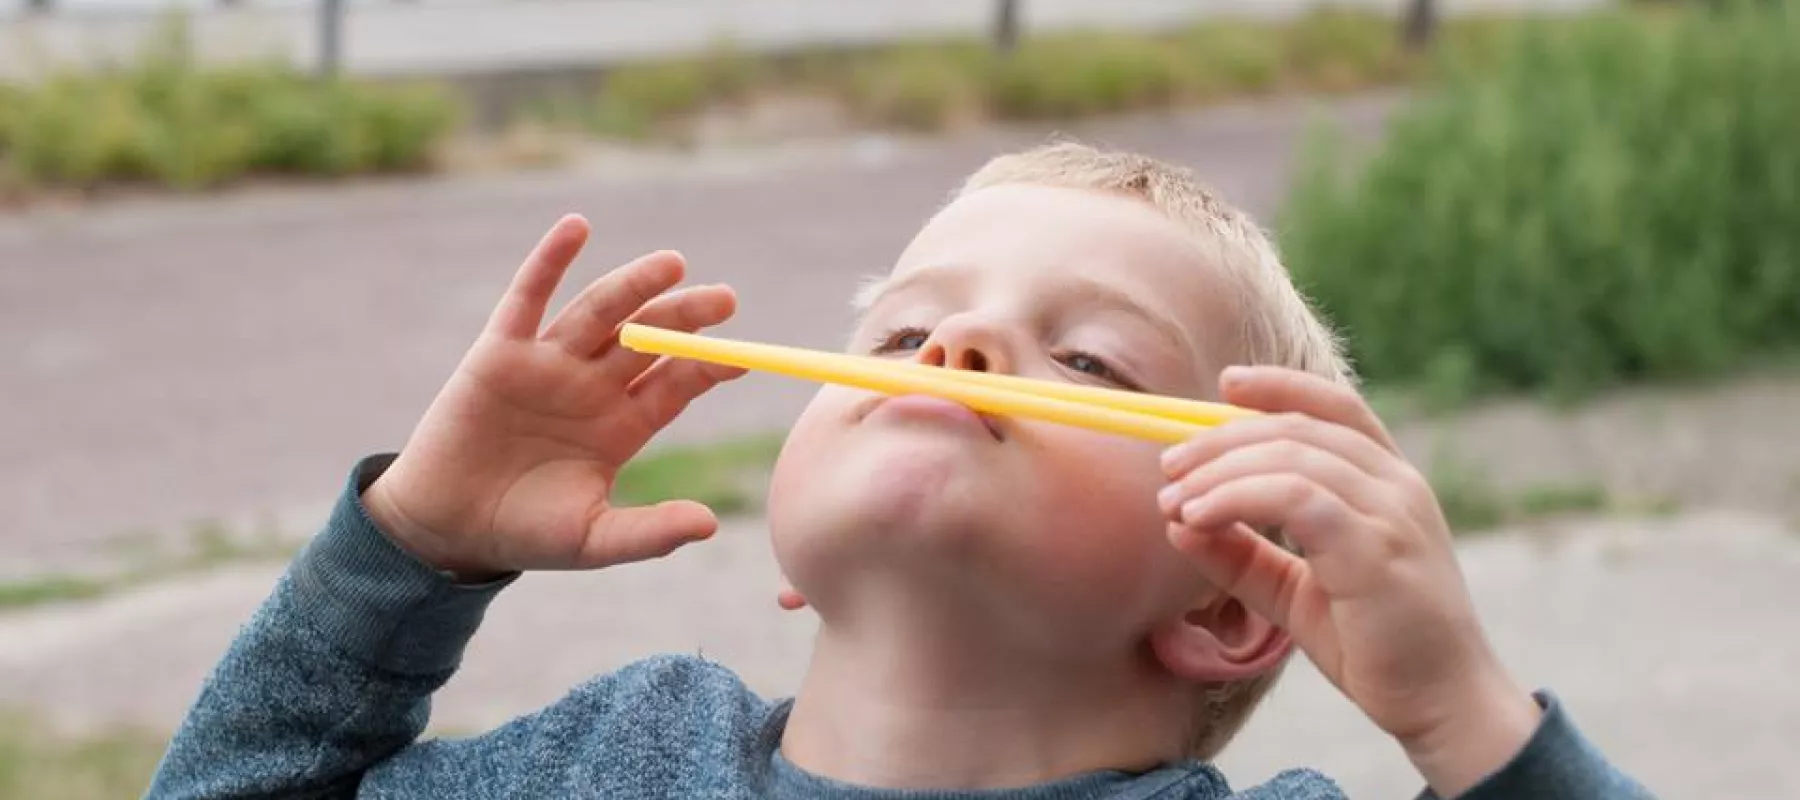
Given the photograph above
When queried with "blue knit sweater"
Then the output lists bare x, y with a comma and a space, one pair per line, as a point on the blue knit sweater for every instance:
326, 690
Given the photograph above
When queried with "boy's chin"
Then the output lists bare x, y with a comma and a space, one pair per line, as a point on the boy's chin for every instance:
900, 482
890, 499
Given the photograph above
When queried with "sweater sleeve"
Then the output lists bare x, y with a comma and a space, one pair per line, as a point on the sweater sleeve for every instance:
1556, 763
333, 674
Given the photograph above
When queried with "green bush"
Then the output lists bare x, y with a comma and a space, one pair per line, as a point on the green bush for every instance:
171, 122
404, 124
1335, 48
919, 87
934, 84
74, 131
1080, 74
1225, 57
1611, 198
634, 97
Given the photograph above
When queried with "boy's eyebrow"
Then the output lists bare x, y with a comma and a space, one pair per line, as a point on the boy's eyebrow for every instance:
869, 289
1087, 291
1082, 289
875, 287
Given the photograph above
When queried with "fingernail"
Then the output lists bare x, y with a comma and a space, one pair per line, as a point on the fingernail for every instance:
1168, 497
1233, 374
1175, 455
1191, 511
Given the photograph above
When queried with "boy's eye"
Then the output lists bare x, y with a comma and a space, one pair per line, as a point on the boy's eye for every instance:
901, 339
1089, 364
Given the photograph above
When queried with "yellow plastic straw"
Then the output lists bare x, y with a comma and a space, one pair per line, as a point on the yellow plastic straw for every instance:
1159, 419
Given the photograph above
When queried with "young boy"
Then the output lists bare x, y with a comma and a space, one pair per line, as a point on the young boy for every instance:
1007, 608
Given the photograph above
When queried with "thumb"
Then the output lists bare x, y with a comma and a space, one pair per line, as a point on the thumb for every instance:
624, 535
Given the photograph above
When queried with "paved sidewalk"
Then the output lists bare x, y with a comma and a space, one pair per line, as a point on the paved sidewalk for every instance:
1670, 640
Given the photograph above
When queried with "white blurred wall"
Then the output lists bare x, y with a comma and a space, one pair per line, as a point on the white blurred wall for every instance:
383, 37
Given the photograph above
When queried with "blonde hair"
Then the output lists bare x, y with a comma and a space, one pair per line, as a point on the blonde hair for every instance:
1279, 326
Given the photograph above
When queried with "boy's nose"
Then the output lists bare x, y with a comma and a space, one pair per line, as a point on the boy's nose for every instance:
969, 345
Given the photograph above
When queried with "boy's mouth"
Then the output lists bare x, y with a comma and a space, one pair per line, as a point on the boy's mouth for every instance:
932, 409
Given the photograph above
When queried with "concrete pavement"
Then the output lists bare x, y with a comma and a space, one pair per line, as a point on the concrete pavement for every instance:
1669, 640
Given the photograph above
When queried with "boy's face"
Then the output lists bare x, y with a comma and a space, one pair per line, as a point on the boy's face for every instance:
1045, 536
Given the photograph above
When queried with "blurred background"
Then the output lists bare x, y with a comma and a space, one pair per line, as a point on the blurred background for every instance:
242, 243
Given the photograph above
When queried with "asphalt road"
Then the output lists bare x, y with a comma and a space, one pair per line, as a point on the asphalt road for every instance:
168, 362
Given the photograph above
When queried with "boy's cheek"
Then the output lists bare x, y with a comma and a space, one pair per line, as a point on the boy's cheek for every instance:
1101, 512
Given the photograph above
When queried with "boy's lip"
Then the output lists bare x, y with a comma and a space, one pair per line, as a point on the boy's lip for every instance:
929, 406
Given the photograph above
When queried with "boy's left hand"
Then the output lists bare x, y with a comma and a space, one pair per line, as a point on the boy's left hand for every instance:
1375, 596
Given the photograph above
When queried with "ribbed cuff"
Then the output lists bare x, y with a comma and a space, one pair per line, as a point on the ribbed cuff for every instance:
376, 602
1556, 762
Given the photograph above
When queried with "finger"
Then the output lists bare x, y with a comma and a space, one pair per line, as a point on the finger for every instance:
625, 535
1278, 390
592, 319
1313, 518
1350, 445
521, 309
666, 389
688, 309
1258, 572
1278, 456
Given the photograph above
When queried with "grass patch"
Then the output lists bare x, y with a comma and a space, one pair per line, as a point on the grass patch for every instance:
1472, 502
728, 477
1472, 505
112, 765
209, 544
1659, 505
1468, 499
1574, 498
39, 590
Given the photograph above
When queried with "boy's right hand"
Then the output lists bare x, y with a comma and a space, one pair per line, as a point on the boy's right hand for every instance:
511, 467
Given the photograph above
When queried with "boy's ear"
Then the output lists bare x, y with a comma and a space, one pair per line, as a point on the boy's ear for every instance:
789, 598
1218, 640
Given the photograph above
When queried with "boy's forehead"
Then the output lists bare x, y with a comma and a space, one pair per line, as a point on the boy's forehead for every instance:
1108, 250
1029, 234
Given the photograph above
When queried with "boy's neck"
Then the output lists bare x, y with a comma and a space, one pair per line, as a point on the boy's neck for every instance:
921, 712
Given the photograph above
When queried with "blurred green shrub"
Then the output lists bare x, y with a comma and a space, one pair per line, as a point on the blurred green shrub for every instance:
636, 97
1080, 74
1606, 199
919, 87
1230, 57
1339, 48
933, 85
168, 121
